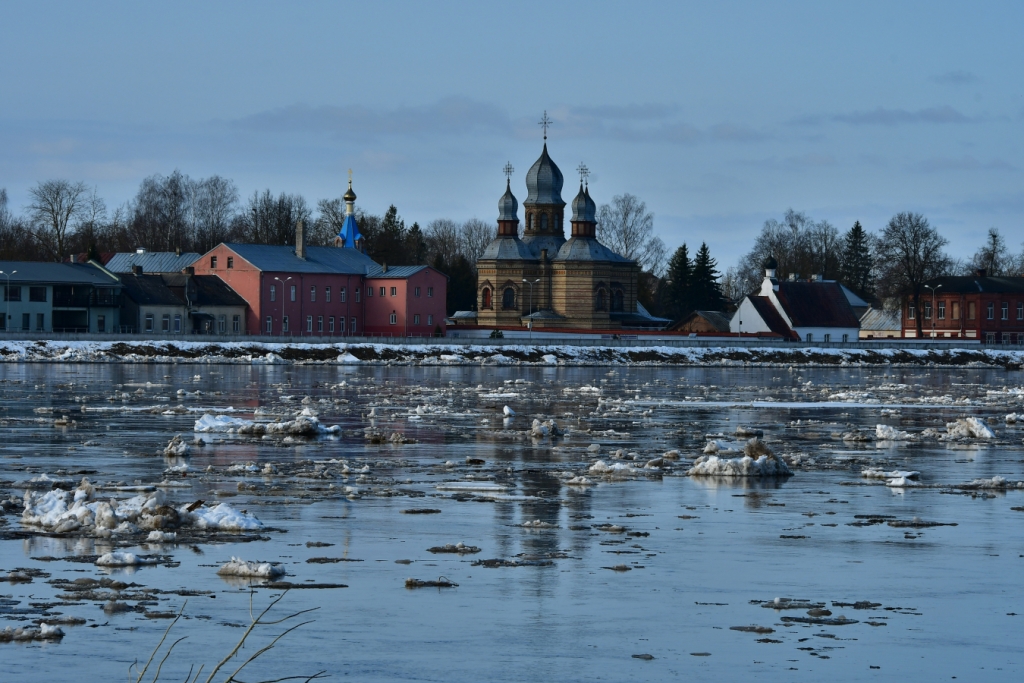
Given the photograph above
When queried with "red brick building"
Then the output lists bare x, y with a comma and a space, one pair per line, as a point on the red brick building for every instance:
328, 291
988, 309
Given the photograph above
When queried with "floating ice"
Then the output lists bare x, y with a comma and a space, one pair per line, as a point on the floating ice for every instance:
969, 428
601, 467
177, 447
119, 559
223, 517
508, 412
157, 536
766, 464
887, 433
882, 474
721, 446
220, 423
472, 486
261, 570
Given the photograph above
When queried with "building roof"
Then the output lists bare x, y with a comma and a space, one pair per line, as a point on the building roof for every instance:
204, 290
282, 259
149, 290
717, 319
151, 261
587, 249
973, 284
771, 317
395, 272
464, 315
508, 206
642, 311
349, 233
544, 181
40, 272
537, 243
508, 249
816, 304
880, 319
583, 207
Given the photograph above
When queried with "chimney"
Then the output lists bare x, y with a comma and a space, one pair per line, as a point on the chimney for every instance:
136, 270
384, 266
300, 241
140, 250
177, 251
792, 277
543, 255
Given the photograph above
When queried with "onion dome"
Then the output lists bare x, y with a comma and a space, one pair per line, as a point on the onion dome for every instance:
771, 264
507, 205
544, 181
583, 207
349, 196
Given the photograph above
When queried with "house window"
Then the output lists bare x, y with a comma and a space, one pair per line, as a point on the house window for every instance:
430, 320
617, 300
293, 292
394, 291
416, 319
177, 324
12, 293
37, 294
231, 261
810, 337
213, 263
970, 310
41, 322
416, 292
955, 310
543, 222
149, 322
827, 338
928, 310
394, 318
309, 323
1006, 338
330, 324
319, 323
846, 338
26, 321
359, 293
284, 324
342, 294
222, 324
942, 310
508, 298
165, 323
911, 312
273, 293
1006, 310
236, 323
327, 294
991, 311
270, 325
485, 298
990, 337
353, 325
599, 302
430, 292
341, 325
382, 289
369, 292
1020, 310
312, 292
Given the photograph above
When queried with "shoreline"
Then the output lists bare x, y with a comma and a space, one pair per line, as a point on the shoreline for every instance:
531, 355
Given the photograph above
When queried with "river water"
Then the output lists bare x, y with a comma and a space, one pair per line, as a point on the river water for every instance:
655, 563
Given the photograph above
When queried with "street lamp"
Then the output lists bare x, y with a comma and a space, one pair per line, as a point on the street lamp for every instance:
934, 311
282, 297
7, 296
530, 315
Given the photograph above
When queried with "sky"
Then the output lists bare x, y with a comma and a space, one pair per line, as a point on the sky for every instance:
718, 115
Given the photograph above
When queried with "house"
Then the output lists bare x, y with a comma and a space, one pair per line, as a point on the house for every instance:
878, 323
58, 297
707, 322
987, 308
180, 303
814, 310
328, 291
151, 261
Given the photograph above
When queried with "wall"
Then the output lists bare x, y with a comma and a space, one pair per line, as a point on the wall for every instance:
243, 278
33, 308
751, 320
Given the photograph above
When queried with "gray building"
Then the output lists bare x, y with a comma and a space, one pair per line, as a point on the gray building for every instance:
180, 303
58, 297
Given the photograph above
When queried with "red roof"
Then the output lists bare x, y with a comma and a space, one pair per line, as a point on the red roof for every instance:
764, 307
816, 304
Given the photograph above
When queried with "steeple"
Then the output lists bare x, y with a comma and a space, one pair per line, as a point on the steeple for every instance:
349, 235
508, 208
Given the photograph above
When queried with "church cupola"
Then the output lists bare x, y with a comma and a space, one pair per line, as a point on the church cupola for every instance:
349, 235
543, 205
584, 210
508, 208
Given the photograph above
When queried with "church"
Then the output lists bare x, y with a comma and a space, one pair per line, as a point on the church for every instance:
541, 279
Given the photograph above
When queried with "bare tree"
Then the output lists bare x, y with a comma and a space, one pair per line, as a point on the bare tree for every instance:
476, 235
993, 256
443, 240
213, 204
909, 253
330, 218
627, 228
271, 220
55, 208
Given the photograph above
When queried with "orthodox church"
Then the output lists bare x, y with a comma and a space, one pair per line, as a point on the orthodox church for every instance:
542, 279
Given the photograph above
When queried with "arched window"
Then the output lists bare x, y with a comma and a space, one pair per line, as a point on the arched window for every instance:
543, 222
508, 298
599, 301
617, 300
529, 221
486, 298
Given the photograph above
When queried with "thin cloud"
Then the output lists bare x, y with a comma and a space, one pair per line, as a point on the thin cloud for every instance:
882, 116
965, 163
956, 78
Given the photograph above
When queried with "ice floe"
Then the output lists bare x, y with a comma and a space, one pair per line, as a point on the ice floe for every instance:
259, 570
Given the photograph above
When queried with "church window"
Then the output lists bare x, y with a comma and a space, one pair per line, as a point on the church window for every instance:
599, 301
508, 298
529, 221
543, 222
617, 300
486, 298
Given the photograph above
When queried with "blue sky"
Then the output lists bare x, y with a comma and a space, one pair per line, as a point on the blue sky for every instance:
718, 115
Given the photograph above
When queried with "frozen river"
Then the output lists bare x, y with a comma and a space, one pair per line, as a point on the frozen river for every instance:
580, 567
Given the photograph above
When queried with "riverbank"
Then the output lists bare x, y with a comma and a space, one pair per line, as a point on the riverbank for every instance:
271, 353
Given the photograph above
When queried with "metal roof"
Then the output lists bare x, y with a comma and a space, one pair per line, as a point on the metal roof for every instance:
282, 259
397, 272
816, 304
149, 290
880, 319
507, 249
588, 249
544, 182
972, 284
37, 272
766, 309
205, 290
151, 261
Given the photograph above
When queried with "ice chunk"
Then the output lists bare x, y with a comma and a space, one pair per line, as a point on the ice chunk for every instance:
220, 423
869, 473
119, 559
508, 412
485, 487
720, 446
260, 570
222, 516
768, 465
177, 447
887, 433
969, 428
157, 536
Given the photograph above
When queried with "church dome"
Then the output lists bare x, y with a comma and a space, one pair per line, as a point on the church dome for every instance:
583, 207
544, 181
508, 206
349, 196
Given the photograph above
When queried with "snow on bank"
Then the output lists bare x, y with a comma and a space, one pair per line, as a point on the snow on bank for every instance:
265, 353
256, 570
80, 511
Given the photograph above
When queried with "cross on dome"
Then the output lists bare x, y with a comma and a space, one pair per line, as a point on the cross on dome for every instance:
583, 171
545, 122
508, 171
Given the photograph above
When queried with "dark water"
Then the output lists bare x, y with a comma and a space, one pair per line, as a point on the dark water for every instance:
953, 593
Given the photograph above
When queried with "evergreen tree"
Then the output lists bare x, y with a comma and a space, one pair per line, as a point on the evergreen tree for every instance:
704, 289
415, 246
678, 301
385, 243
857, 262
461, 294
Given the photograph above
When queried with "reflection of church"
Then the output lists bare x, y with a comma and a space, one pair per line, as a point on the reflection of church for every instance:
544, 278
